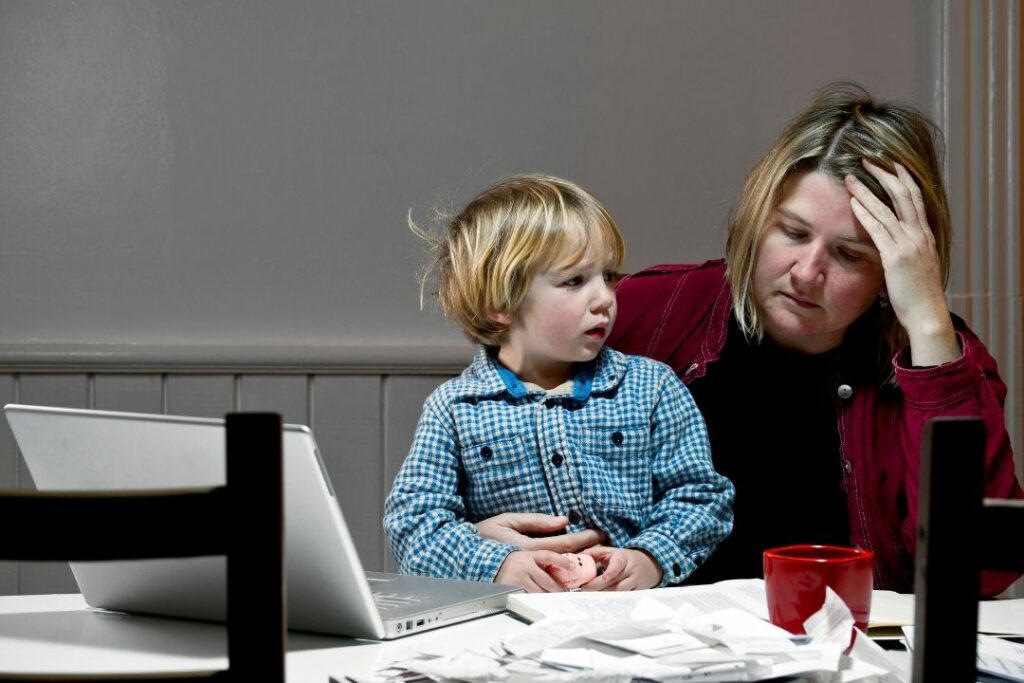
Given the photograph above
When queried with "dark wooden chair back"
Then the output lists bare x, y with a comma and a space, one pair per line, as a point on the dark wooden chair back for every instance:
242, 520
959, 534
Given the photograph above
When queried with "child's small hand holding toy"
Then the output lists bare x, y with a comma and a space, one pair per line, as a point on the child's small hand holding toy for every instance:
584, 570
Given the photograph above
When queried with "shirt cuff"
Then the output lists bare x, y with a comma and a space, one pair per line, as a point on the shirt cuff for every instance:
676, 565
485, 559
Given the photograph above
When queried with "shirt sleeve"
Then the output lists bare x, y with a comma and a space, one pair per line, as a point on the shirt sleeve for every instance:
692, 503
969, 385
425, 514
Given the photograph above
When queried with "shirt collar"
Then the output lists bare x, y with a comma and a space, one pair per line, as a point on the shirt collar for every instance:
582, 381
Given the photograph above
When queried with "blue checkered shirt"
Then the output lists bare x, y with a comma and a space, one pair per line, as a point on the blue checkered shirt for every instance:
626, 452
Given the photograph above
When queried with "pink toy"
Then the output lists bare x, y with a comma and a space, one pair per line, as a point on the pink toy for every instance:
584, 571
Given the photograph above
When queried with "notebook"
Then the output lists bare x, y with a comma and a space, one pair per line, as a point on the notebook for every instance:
328, 591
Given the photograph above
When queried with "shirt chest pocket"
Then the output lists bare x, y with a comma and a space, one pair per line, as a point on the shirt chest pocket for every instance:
616, 467
502, 476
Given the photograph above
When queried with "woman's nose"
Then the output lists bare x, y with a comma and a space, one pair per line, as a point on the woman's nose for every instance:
809, 267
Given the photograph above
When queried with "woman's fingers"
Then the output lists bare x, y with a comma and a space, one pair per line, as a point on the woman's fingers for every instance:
916, 196
876, 210
898, 190
569, 543
882, 238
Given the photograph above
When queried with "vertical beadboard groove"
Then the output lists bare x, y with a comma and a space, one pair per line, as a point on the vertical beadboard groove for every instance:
165, 398
311, 401
90, 390
16, 398
382, 459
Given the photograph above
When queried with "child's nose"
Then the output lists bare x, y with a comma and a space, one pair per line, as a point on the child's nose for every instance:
605, 297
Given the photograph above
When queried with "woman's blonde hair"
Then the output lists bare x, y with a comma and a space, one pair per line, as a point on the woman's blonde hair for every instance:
843, 125
484, 258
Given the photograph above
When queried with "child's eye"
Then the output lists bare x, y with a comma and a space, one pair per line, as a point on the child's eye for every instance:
574, 281
611, 277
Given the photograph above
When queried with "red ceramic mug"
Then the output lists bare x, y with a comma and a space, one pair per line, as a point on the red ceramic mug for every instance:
795, 578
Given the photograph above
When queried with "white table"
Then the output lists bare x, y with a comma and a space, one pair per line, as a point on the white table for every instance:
60, 633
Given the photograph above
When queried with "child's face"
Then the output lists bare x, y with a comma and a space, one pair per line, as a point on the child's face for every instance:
565, 318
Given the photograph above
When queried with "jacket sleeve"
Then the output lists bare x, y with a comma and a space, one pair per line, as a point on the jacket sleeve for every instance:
692, 503
425, 514
971, 386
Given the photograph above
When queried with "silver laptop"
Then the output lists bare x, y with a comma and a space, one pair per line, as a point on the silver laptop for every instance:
328, 591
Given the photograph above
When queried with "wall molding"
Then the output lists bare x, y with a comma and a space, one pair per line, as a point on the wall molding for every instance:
229, 359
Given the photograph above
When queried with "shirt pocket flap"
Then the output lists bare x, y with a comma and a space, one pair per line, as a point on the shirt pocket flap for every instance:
614, 442
507, 450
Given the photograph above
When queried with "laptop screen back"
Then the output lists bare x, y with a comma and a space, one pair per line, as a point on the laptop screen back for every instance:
96, 450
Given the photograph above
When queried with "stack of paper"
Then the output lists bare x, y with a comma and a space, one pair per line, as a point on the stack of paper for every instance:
658, 643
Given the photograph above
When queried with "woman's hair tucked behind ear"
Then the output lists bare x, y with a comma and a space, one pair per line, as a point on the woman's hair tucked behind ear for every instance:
484, 257
842, 126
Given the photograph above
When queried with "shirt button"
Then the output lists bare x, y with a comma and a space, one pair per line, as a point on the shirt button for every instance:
486, 452
845, 391
556, 459
675, 569
617, 438
574, 517
847, 466
550, 403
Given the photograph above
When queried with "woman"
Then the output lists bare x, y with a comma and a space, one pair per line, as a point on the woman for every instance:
822, 343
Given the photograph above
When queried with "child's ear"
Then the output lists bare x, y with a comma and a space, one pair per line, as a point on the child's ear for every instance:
500, 318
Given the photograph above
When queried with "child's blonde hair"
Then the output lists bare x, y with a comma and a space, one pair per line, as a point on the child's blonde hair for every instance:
485, 257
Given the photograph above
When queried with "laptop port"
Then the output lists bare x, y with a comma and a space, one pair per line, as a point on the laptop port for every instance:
419, 622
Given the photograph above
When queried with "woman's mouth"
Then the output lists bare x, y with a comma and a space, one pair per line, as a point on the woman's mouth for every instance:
802, 303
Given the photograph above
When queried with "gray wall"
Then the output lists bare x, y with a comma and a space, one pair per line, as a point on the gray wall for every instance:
239, 172
203, 204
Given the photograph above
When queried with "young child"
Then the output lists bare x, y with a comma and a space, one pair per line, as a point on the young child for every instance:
546, 419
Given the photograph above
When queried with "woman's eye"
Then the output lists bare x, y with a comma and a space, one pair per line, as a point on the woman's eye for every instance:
792, 233
849, 256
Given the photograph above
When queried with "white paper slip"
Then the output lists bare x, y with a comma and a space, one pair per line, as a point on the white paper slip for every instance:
745, 594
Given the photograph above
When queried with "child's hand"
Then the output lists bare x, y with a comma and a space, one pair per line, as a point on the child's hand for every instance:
625, 569
584, 569
529, 569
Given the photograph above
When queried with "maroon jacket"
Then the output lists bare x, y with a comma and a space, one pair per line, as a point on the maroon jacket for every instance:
679, 314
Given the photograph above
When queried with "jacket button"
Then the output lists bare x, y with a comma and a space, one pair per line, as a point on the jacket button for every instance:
574, 517
845, 391
617, 438
847, 466
486, 452
556, 459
